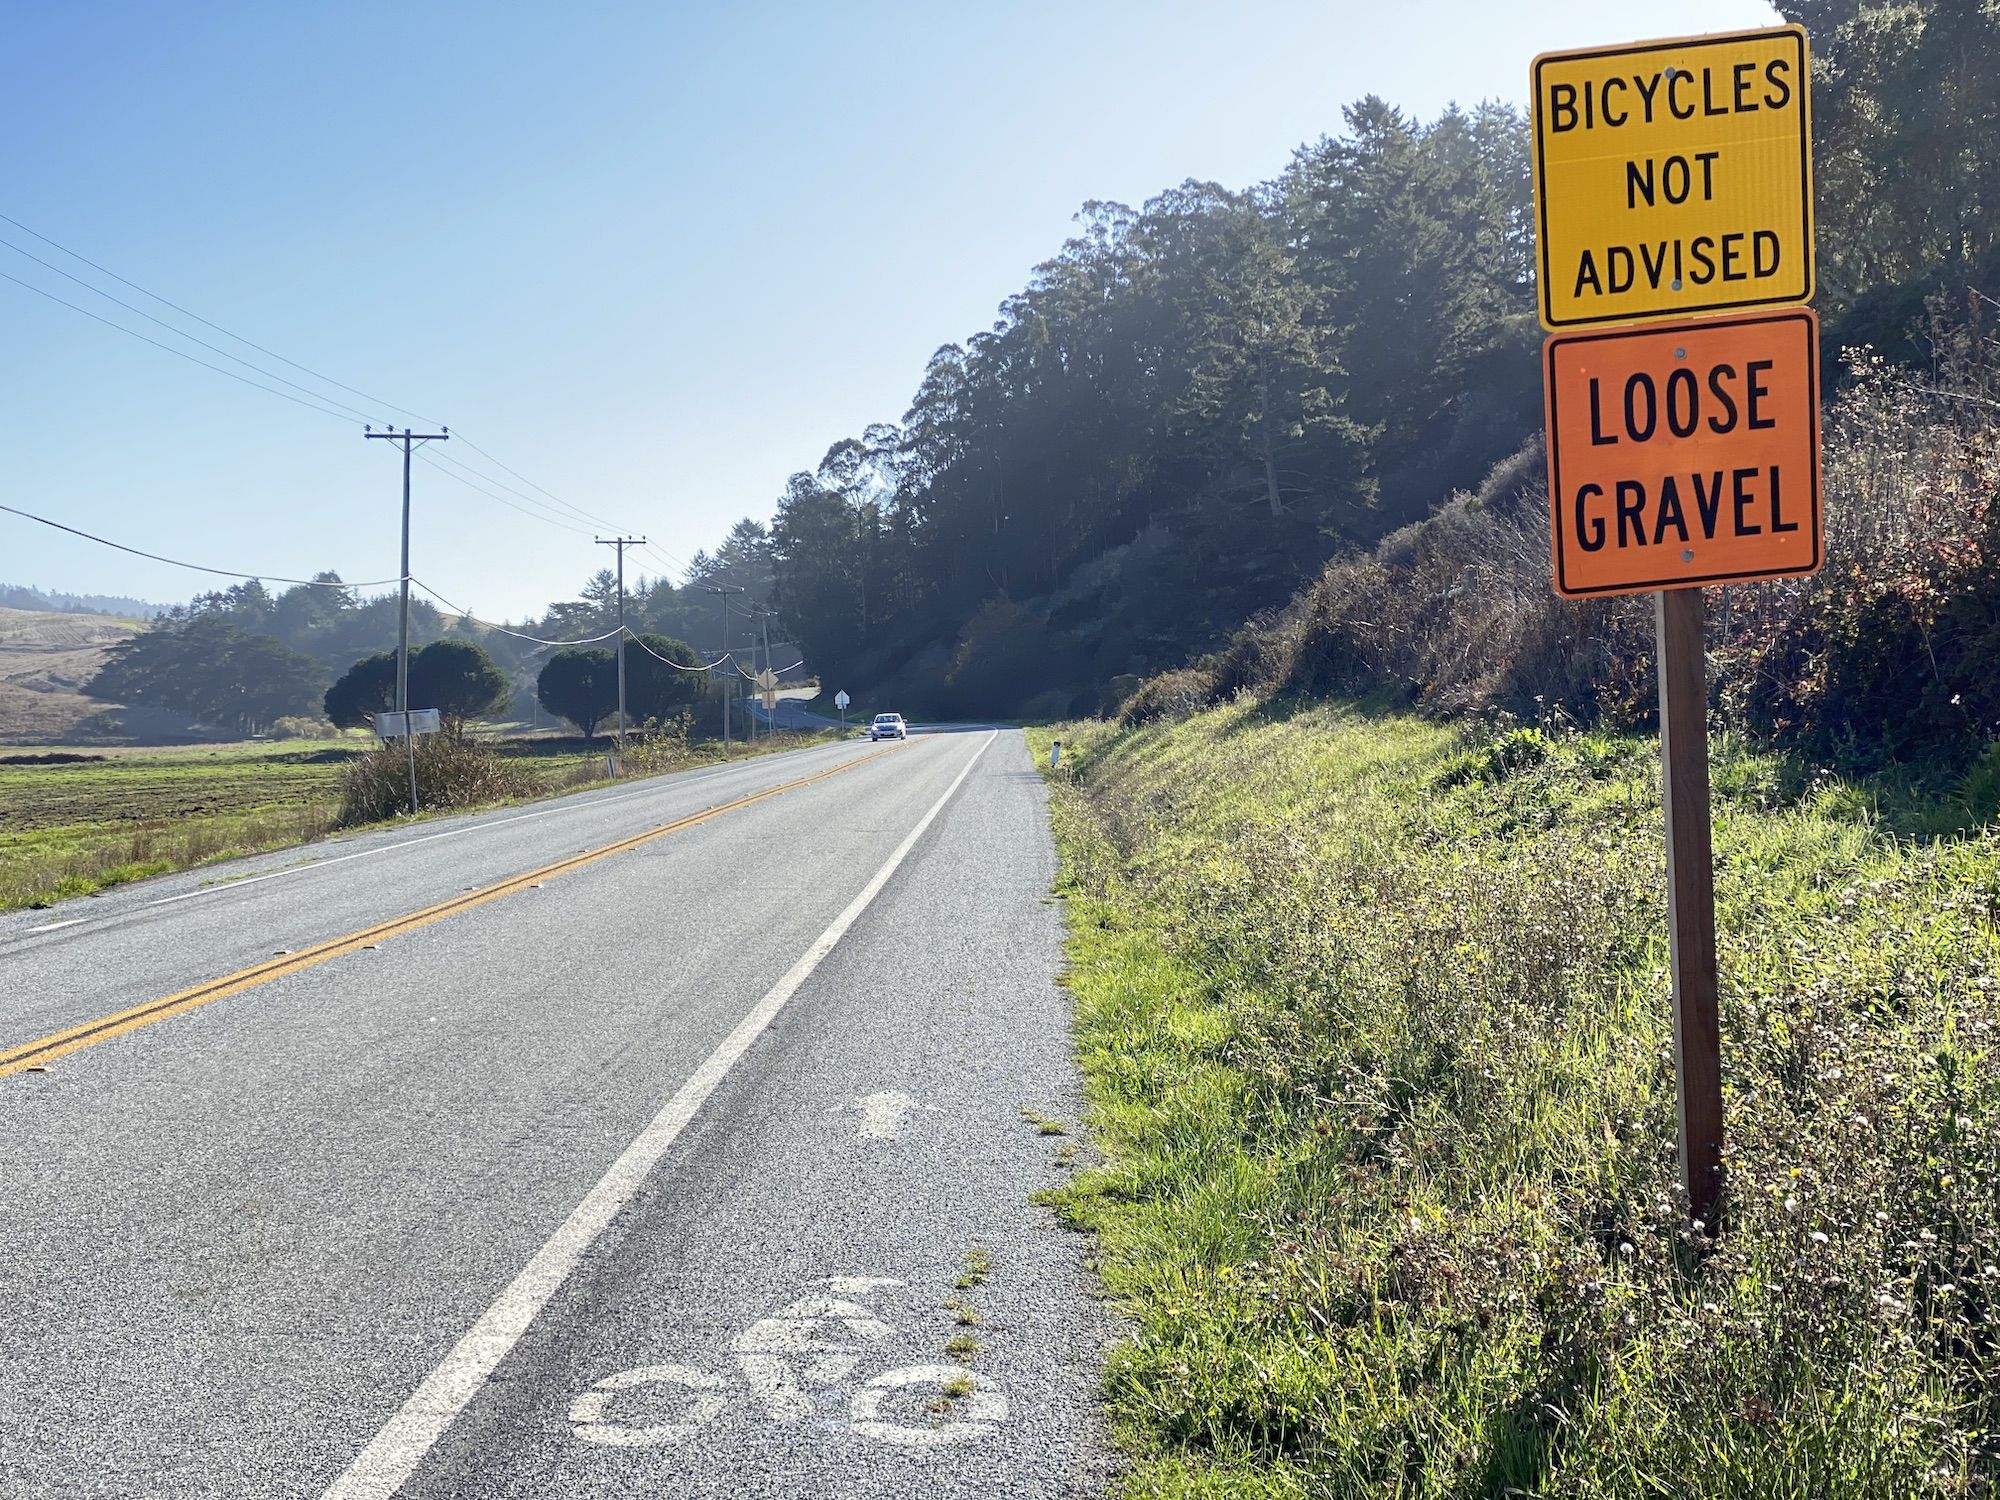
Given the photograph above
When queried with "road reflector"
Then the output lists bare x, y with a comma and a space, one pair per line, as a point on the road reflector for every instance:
1684, 453
1673, 177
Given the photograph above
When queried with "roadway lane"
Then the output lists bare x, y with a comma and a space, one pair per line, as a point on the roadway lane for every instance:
92, 955
235, 1242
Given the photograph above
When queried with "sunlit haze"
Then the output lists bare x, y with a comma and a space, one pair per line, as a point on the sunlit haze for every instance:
654, 258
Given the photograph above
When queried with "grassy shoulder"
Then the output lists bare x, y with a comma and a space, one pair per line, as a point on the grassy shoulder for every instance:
76, 822
1374, 1021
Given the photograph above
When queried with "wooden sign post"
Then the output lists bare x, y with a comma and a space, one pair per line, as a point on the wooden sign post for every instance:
1674, 178
1678, 616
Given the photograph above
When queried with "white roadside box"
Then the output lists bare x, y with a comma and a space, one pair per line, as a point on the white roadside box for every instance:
422, 721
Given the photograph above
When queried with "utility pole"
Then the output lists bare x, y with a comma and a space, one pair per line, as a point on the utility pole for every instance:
621, 543
409, 440
771, 714
728, 686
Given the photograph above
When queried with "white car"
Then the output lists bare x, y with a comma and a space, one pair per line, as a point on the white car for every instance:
888, 727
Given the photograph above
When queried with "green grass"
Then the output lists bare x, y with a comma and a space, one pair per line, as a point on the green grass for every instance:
69, 829
1374, 1024
964, 1314
978, 1266
1042, 1123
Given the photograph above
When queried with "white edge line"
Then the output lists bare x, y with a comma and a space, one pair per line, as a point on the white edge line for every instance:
392, 1456
57, 926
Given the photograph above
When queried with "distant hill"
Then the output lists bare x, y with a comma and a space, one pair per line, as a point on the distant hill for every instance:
20, 596
46, 656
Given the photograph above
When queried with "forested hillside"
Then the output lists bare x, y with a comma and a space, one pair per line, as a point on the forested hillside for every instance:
19, 596
1187, 410
1886, 655
1375, 1004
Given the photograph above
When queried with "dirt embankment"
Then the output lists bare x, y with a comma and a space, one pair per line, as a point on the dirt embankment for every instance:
45, 659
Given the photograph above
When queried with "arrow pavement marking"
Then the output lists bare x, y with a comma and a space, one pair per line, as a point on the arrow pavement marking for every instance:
382, 1468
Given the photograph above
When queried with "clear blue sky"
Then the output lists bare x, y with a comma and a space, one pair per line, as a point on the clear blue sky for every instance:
655, 257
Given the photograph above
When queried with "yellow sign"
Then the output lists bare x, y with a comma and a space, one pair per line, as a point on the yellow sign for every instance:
1673, 178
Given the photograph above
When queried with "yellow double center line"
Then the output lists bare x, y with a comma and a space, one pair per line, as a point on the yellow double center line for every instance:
35, 1054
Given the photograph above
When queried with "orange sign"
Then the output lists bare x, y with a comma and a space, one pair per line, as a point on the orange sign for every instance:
1684, 453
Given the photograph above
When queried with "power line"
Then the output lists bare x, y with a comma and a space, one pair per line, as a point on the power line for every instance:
576, 510
315, 583
728, 657
184, 312
316, 396
543, 512
368, 583
306, 397
490, 495
665, 558
542, 506
670, 560
463, 614
183, 333
192, 359
781, 671
681, 666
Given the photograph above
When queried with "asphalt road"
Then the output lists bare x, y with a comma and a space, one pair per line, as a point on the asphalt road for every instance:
675, 1171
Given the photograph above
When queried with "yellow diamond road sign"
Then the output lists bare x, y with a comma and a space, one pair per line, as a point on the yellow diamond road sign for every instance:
1673, 178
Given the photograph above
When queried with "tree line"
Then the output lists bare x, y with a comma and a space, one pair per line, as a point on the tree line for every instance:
19, 596
197, 659
208, 667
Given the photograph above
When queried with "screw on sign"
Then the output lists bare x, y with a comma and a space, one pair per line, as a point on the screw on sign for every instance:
1674, 178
